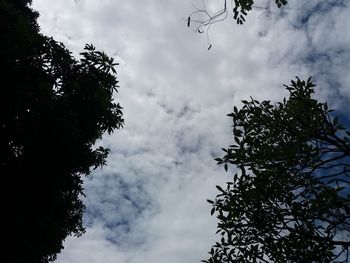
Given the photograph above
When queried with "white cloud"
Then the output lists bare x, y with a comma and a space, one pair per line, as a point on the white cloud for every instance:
148, 204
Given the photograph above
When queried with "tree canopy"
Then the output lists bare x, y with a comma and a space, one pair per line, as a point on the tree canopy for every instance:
289, 200
53, 109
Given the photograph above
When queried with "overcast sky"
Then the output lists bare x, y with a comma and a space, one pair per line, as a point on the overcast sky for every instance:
148, 204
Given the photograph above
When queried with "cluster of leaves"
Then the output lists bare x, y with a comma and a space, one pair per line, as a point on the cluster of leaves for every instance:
290, 198
240, 8
53, 110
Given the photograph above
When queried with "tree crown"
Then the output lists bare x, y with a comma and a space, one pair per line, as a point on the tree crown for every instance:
290, 199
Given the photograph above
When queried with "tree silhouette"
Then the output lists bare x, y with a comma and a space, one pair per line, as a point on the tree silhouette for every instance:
289, 200
53, 108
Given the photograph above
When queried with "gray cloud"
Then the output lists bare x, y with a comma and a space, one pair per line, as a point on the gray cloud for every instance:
148, 203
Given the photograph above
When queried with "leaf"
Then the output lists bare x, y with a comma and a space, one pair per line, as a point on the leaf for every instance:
220, 188
335, 121
237, 132
325, 106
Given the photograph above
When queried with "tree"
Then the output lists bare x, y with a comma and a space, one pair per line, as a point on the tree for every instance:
289, 200
53, 109
240, 8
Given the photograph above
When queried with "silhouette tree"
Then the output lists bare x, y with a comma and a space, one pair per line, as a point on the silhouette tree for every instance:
289, 200
53, 108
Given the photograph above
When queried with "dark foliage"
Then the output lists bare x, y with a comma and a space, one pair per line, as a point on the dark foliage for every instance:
289, 200
53, 108
239, 8
203, 19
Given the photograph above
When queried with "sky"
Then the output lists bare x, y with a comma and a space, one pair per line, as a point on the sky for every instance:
149, 203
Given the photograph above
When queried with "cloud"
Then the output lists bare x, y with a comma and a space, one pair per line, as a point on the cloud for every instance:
148, 203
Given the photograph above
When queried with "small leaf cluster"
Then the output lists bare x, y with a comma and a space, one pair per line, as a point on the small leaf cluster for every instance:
242, 7
204, 19
240, 10
289, 199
